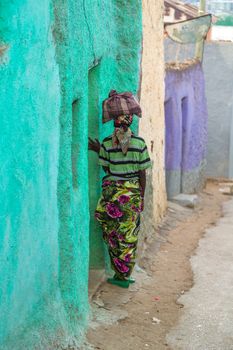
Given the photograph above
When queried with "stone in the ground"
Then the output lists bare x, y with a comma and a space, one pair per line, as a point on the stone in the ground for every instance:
176, 207
226, 188
186, 200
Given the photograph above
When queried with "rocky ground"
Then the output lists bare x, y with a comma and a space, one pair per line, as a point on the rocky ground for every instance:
142, 317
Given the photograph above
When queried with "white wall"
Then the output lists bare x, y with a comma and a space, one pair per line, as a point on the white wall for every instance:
218, 69
222, 33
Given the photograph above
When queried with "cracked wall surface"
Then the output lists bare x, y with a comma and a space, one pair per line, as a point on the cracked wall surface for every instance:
151, 127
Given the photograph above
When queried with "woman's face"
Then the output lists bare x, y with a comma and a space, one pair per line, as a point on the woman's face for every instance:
123, 120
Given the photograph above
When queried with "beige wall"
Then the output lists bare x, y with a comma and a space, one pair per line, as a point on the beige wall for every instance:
151, 126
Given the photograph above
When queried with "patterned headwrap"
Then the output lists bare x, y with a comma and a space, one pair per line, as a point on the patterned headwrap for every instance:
118, 104
122, 133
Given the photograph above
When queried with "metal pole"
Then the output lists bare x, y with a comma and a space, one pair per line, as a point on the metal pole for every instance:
202, 7
200, 44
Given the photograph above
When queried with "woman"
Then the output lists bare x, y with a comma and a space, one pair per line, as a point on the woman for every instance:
124, 158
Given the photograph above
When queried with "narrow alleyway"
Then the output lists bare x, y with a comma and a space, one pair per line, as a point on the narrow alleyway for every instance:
144, 316
207, 320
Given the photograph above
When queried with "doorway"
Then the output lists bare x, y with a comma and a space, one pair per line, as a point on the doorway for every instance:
95, 238
172, 148
184, 140
177, 144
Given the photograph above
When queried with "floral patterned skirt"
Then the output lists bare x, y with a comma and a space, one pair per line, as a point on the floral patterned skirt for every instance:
118, 212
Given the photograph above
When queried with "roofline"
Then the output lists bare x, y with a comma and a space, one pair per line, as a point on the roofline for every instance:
189, 10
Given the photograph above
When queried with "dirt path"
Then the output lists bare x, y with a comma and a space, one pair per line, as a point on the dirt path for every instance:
141, 317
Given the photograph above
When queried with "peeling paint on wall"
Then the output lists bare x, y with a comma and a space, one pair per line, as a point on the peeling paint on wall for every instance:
186, 130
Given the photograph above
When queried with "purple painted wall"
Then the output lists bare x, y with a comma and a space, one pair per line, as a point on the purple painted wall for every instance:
186, 118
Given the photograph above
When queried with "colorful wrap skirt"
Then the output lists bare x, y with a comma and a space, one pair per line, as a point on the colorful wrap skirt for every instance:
118, 212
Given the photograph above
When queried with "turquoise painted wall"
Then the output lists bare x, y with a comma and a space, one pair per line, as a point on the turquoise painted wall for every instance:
46, 87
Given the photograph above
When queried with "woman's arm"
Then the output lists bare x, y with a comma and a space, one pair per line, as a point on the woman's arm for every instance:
94, 145
142, 181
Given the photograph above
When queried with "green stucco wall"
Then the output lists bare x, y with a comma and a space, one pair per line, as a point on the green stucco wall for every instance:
48, 98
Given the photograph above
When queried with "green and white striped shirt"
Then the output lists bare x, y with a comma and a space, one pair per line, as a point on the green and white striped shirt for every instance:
124, 167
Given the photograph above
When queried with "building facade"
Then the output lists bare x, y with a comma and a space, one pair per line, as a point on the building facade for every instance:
152, 124
185, 105
175, 11
218, 71
58, 61
62, 58
186, 130
219, 6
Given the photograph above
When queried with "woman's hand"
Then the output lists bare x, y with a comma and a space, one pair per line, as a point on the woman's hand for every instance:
93, 145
